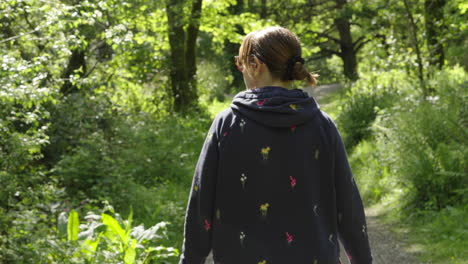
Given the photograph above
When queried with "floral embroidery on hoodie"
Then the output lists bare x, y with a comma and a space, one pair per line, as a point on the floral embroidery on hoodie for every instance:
242, 125
330, 239
260, 103
218, 214
295, 107
242, 238
262, 262
364, 230
293, 128
196, 185
207, 225
265, 152
243, 178
264, 208
293, 181
315, 210
210, 135
289, 238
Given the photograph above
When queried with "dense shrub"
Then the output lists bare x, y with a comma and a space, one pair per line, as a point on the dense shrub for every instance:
365, 99
28, 223
421, 146
130, 166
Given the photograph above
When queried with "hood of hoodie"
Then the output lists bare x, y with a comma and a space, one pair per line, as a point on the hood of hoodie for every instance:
276, 106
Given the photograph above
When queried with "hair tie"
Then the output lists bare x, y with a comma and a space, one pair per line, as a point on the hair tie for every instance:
290, 66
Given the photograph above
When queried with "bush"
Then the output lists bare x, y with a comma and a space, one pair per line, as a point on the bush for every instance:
142, 156
373, 176
106, 238
423, 144
364, 101
27, 223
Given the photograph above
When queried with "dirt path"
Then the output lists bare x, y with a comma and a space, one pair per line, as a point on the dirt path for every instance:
319, 91
386, 247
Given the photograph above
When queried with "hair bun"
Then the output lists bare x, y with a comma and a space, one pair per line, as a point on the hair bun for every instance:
300, 72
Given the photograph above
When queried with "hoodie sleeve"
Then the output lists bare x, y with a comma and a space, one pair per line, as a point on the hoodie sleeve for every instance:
199, 213
351, 220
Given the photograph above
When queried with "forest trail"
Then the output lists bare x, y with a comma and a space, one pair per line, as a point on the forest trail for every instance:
386, 247
320, 91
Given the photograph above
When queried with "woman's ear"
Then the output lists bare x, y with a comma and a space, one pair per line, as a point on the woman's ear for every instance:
257, 65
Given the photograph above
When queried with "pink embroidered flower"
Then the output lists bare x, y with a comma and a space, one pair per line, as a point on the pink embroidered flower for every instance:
225, 133
293, 181
207, 224
293, 128
261, 102
289, 238
349, 256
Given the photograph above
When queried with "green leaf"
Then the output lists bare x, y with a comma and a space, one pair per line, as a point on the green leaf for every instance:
130, 253
115, 228
73, 225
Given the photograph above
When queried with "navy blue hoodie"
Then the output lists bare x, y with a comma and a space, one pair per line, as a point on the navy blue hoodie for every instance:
273, 185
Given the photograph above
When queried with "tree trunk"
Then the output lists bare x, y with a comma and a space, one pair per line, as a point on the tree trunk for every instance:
414, 40
348, 54
434, 14
232, 49
76, 61
183, 54
191, 55
263, 10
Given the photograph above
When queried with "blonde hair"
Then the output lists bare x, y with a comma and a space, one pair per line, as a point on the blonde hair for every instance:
280, 50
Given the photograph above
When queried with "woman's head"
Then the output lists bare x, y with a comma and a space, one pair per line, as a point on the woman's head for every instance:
279, 50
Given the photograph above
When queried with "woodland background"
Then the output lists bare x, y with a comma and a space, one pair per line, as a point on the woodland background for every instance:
104, 106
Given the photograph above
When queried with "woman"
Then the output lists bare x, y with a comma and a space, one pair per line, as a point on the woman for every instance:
273, 183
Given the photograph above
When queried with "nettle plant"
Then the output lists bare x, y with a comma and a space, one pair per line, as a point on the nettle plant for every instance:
103, 238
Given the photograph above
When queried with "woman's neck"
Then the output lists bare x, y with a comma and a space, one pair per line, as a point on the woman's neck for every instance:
272, 83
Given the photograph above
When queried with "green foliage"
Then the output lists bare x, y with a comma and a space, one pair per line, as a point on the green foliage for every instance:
72, 226
107, 239
365, 99
416, 160
442, 234
85, 115
420, 148
212, 81
141, 154
373, 176
28, 222
426, 143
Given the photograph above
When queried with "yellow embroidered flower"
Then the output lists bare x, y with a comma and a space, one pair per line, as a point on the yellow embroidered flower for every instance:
262, 262
295, 107
265, 152
264, 208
